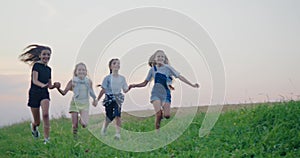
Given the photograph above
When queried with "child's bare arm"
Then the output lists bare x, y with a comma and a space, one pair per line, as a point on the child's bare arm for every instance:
183, 79
52, 86
65, 91
101, 94
143, 84
125, 91
92, 93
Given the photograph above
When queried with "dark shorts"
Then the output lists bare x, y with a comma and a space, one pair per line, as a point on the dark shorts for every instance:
112, 110
35, 97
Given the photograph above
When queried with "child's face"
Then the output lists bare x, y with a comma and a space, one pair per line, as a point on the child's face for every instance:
45, 56
160, 58
81, 71
115, 65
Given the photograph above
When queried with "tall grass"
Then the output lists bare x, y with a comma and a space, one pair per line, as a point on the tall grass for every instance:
267, 130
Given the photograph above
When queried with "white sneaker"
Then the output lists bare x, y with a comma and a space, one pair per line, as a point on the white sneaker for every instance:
46, 140
117, 136
35, 133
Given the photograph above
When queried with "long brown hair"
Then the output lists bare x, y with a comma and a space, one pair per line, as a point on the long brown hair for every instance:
32, 53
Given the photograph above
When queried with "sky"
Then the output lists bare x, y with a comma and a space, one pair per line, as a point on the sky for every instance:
258, 42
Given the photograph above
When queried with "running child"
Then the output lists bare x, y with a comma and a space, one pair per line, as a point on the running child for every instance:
38, 56
161, 71
82, 87
111, 87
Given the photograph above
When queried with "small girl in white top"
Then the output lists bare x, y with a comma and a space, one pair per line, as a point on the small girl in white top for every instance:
82, 88
111, 87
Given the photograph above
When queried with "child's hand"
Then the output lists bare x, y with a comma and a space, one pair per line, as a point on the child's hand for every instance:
196, 85
45, 85
57, 85
95, 102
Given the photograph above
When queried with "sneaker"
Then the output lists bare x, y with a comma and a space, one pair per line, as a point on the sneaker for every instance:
35, 133
117, 136
46, 140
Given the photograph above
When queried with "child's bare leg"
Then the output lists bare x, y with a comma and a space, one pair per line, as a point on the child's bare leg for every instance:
74, 122
106, 122
108, 119
158, 113
105, 125
84, 118
167, 110
118, 124
45, 110
36, 117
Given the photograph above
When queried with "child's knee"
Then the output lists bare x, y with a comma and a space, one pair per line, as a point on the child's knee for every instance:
45, 116
159, 113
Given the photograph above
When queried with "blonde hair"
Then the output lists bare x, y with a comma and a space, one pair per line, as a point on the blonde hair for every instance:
151, 61
76, 66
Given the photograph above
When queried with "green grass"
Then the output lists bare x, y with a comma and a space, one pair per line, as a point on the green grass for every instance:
266, 130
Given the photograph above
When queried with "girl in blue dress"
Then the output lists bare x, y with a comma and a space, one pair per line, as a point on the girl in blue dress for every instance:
161, 71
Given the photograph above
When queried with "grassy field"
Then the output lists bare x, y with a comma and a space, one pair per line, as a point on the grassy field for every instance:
265, 130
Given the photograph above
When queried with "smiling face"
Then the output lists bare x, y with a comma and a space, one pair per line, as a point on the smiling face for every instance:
81, 71
115, 65
45, 56
160, 58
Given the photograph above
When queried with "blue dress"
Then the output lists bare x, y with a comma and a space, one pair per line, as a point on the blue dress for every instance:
161, 75
160, 90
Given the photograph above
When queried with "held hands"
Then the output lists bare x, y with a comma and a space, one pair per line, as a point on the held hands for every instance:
56, 85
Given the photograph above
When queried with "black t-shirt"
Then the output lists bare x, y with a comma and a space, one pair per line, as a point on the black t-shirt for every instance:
44, 74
